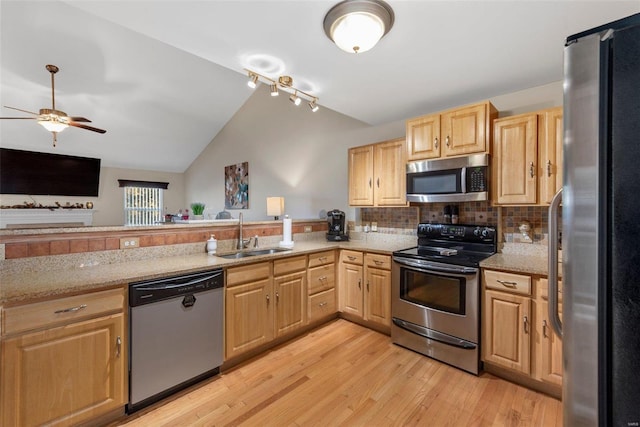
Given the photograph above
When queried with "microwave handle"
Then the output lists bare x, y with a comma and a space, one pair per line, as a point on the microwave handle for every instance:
463, 179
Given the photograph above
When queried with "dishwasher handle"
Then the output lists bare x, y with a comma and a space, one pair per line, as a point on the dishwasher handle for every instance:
175, 285
147, 292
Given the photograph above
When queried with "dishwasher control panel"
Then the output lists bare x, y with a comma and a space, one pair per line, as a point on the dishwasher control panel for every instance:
148, 291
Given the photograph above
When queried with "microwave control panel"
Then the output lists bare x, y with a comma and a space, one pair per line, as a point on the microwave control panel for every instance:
477, 179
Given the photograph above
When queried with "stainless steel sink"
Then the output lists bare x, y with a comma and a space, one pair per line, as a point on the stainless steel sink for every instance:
255, 252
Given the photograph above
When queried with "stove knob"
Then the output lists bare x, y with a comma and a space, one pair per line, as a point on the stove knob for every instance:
429, 229
487, 232
476, 232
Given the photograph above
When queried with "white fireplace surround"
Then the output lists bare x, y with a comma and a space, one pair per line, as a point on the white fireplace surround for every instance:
29, 218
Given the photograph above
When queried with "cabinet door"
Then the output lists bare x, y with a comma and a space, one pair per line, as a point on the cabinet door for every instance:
351, 289
361, 176
423, 137
464, 130
550, 153
514, 159
248, 316
390, 173
66, 375
377, 297
549, 347
507, 329
291, 297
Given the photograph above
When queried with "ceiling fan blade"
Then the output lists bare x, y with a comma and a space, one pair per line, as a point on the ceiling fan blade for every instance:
78, 125
79, 119
18, 109
18, 118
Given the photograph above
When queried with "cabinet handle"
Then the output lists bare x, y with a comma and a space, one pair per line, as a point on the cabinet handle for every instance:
544, 329
359, 283
525, 324
548, 167
435, 143
446, 140
322, 304
322, 279
378, 182
531, 169
71, 310
377, 262
322, 259
118, 346
367, 286
277, 297
369, 182
507, 283
351, 257
268, 299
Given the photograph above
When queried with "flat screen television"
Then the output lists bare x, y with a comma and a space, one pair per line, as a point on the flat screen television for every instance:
34, 173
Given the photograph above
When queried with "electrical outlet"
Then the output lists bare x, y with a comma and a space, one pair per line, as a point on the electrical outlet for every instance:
129, 242
308, 229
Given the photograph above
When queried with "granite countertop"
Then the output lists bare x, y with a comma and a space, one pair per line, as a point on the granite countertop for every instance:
518, 263
28, 286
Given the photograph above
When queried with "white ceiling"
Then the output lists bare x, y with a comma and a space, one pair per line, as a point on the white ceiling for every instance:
163, 77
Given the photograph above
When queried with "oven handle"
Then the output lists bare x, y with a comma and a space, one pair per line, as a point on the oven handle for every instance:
428, 266
434, 335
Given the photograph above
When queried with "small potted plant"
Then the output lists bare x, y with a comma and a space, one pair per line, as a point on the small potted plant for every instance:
198, 209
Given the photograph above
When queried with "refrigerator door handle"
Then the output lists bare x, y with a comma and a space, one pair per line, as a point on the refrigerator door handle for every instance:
554, 315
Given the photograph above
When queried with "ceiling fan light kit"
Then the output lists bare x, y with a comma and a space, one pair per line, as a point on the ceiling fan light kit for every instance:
55, 120
285, 83
356, 26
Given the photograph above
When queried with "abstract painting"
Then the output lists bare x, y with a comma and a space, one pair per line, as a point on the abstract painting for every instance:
236, 186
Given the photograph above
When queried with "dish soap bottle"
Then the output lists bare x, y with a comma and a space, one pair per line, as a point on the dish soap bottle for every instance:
212, 245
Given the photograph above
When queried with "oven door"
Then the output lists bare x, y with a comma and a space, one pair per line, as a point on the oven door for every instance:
440, 297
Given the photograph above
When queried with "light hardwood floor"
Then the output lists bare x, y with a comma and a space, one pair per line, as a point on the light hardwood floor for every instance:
344, 374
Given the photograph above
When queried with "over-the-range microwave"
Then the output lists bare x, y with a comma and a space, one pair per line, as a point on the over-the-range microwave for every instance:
458, 179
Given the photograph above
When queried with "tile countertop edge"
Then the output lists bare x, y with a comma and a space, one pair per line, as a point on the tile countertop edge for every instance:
18, 289
517, 263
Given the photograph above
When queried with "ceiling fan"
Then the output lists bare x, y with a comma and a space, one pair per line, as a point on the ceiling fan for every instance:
51, 119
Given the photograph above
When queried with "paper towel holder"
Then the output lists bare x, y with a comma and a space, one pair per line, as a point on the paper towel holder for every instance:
287, 241
275, 207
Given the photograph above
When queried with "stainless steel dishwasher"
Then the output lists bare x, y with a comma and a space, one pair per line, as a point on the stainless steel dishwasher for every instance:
175, 334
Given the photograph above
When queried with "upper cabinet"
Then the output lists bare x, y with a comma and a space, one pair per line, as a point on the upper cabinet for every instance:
527, 158
455, 132
377, 174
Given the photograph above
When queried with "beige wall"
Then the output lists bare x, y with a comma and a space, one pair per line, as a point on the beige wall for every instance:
109, 205
302, 155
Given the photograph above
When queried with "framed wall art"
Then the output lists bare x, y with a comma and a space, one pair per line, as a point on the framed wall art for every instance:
236, 186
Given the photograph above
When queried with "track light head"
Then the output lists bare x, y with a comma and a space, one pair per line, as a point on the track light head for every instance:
314, 107
295, 99
274, 90
253, 81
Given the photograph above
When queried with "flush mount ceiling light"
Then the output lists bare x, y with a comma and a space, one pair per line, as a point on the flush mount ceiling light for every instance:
355, 26
284, 83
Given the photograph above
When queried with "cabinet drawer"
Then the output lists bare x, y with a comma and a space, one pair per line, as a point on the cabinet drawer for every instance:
320, 258
507, 282
352, 257
378, 261
248, 273
322, 304
62, 310
322, 278
543, 290
289, 265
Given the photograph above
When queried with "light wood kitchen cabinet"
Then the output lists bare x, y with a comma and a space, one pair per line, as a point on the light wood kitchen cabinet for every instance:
527, 158
365, 286
548, 344
249, 308
64, 366
290, 285
377, 174
460, 131
321, 285
550, 153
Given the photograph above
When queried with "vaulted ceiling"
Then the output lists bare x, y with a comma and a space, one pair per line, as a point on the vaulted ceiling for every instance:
164, 77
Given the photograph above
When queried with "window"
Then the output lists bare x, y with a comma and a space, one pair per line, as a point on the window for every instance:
143, 202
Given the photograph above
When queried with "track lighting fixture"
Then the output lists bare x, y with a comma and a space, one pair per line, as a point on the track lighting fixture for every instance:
284, 83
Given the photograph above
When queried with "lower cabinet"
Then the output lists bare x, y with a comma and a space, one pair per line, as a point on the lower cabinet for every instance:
65, 374
365, 286
516, 330
321, 286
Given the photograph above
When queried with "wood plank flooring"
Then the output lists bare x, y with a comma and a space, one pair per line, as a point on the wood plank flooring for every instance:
345, 375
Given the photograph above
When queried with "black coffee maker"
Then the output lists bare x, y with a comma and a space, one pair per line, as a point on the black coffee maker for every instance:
337, 231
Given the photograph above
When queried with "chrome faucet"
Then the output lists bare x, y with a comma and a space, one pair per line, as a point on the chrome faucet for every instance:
241, 242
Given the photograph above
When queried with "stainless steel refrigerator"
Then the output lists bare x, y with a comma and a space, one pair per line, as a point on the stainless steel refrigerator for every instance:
600, 325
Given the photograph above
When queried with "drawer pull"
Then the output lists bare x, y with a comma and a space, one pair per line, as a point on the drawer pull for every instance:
322, 304
351, 257
507, 283
322, 279
71, 310
378, 262
118, 346
322, 258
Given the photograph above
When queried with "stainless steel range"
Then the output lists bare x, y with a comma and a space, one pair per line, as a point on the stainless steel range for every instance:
435, 300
